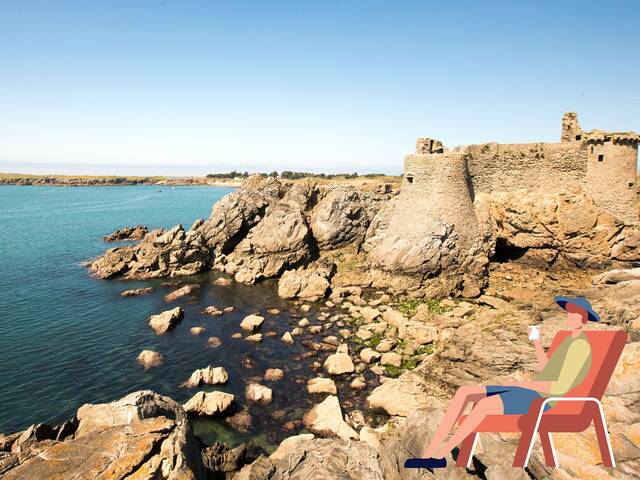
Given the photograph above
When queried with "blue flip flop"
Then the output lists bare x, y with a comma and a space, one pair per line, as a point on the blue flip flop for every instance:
425, 463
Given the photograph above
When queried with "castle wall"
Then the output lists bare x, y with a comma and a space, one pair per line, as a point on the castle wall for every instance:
611, 176
547, 167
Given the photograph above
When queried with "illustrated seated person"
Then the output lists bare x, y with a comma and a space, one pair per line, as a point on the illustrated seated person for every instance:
568, 367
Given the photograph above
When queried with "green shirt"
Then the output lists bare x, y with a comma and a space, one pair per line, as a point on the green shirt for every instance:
567, 367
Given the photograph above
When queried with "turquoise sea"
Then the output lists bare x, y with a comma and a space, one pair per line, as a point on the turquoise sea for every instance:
68, 338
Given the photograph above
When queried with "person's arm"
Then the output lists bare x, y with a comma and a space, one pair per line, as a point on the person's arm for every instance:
540, 354
537, 385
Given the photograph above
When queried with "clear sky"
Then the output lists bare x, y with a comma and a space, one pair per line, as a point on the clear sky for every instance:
200, 86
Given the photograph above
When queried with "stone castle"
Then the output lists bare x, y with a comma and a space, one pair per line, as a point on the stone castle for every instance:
438, 224
603, 163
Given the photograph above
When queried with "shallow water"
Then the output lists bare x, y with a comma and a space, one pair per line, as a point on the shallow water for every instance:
67, 338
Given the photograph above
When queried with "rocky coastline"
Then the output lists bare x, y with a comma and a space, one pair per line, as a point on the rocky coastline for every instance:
405, 324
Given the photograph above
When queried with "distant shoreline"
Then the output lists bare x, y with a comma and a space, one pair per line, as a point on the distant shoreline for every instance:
23, 179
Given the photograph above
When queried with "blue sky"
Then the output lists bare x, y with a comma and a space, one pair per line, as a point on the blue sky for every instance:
199, 86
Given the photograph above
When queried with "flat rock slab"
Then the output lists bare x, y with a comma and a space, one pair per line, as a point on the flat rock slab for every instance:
325, 419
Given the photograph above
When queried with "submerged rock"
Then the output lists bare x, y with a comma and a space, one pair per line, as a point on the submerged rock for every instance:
258, 393
136, 292
150, 359
180, 292
165, 321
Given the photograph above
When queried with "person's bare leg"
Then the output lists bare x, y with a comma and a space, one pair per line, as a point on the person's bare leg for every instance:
462, 397
487, 406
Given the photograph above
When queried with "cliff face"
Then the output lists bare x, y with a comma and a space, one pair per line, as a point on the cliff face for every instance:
269, 227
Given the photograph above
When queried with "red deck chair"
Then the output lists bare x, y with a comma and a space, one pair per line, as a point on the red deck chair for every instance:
573, 412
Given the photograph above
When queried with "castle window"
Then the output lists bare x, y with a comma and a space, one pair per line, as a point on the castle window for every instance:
578, 137
409, 178
600, 158
630, 184
591, 148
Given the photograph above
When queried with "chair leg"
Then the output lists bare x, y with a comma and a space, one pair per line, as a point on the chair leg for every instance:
600, 426
522, 452
465, 453
548, 450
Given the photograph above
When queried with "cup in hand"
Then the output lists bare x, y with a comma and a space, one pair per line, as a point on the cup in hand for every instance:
534, 332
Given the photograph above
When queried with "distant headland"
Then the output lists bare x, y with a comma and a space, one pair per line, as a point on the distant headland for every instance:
230, 179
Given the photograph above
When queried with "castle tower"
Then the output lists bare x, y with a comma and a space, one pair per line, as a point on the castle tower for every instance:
612, 170
432, 227
571, 131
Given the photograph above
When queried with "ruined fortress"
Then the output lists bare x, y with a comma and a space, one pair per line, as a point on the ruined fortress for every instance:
603, 163
435, 224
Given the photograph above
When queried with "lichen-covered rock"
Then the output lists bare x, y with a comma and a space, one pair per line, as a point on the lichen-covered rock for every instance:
142, 434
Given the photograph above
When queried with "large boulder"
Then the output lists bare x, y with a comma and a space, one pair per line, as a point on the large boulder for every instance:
325, 419
339, 218
210, 376
278, 242
209, 403
165, 321
143, 434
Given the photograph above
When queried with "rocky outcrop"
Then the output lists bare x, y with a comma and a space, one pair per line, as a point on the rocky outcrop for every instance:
567, 228
143, 435
165, 321
254, 392
127, 233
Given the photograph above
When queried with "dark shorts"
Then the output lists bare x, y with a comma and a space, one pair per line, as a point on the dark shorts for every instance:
515, 400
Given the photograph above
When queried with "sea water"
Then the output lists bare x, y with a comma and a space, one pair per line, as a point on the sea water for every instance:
68, 338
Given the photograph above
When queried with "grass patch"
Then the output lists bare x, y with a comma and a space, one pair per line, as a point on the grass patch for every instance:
409, 364
409, 306
392, 370
422, 349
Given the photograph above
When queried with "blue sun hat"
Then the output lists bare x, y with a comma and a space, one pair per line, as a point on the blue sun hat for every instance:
580, 302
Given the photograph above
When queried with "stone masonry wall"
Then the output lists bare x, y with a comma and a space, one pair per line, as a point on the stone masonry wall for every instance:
546, 167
